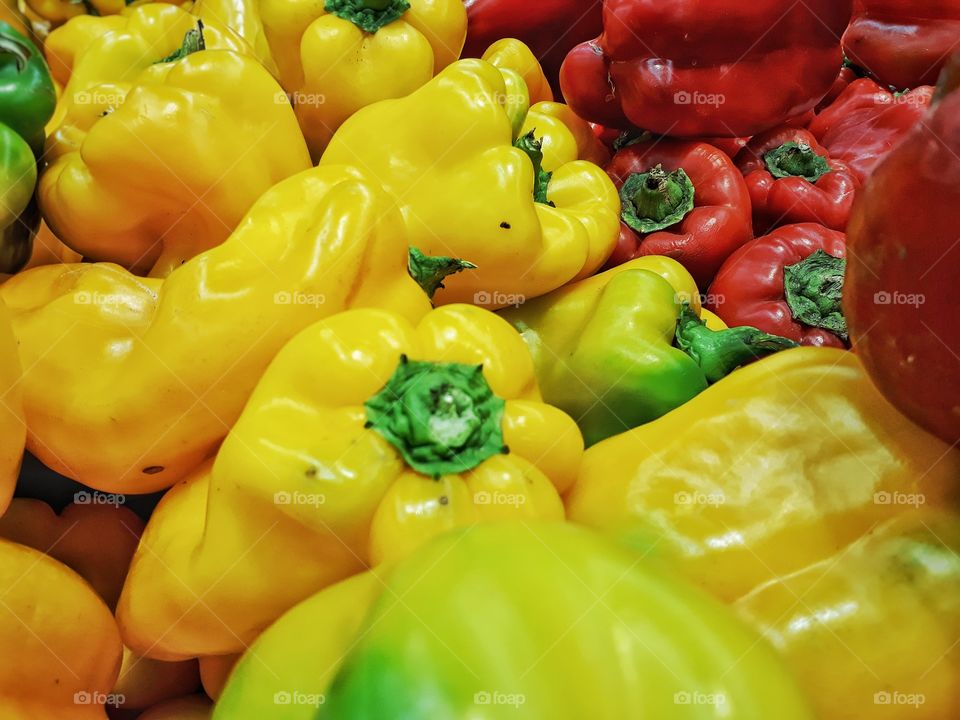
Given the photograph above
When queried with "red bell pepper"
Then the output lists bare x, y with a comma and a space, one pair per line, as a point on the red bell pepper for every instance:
550, 28
847, 75
792, 179
903, 43
901, 291
690, 68
866, 122
788, 283
685, 200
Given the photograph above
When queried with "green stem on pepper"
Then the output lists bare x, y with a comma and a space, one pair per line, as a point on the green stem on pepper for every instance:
796, 160
430, 271
368, 15
814, 292
656, 200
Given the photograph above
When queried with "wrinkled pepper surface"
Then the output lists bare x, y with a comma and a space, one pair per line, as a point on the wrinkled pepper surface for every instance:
27, 100
380, 645
793, 179
903, 43
685, 200
788, 283
765, 473
206, 128
604, 348
65, 639
866, 122
466, 191
687, 68
551, 28
871, 631
158, 370
338, 56
903, 271
366, 436
13, 429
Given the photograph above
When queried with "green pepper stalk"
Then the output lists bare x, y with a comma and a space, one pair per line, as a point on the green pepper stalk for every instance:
534, 150
430, 271
796, 160
656, 200
368, 15
814, 292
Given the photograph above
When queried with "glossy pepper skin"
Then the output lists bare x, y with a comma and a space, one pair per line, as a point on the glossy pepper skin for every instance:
874, 630
902, 273
66, 641
334, 61
866, 122
752, 285
903, 43
604, 348
341, 460
515, 55
465, 191
691, 68
158, 370
793, 179
551, 28
13, 429
651, 642
206, 128
765, 473
698, 218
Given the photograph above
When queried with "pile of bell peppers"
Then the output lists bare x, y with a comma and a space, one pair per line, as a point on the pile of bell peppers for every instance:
479, 359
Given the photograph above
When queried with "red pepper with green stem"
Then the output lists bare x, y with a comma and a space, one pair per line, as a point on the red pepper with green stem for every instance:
903, 43
788, 283
901, 294
685, 200
793, 179
690, 68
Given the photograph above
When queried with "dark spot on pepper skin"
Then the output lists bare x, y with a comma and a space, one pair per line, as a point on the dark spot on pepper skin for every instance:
311, 472
444, 500
153, 470
505, 225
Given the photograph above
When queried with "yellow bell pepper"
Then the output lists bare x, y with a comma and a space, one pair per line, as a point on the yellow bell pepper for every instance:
871, 632
466, 191
242, 17
338, 56
158, 370
566, 137
63, 648
57, 12
513, 55
766, 472
149, 173
366, 437
13, 430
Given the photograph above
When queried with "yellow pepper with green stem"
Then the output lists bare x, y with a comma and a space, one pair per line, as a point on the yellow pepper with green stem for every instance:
366, 436
158, 370
465, 190
149, 173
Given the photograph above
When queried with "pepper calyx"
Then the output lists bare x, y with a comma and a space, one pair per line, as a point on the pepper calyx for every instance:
430, 271
368, 15
796, 159
814, 291
656, 200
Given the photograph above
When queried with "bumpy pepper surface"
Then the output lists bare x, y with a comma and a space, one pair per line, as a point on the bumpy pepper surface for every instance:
903, 270
871, 631
13, 429
66, 641
158, 370
793, 179
690, 68
366, 436
903, 43
463, 629
151, 172
604, 352
768, 471
867, 121
685, 200
338, 56
789, 283
465, 191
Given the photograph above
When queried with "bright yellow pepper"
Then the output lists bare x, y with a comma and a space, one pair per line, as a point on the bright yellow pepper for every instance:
158, 370
566, 137
13, 430
772, 469
871, 632
151, 172
366, 437
57, 12
466, 191
337, 57
514, 55
62, 644
242, 17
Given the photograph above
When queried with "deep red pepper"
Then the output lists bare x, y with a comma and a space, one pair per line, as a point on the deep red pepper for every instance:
551, 28
847, 75
685, 200
867, 121
787, 283
793, 179
901, 295
689, 68
903, 43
